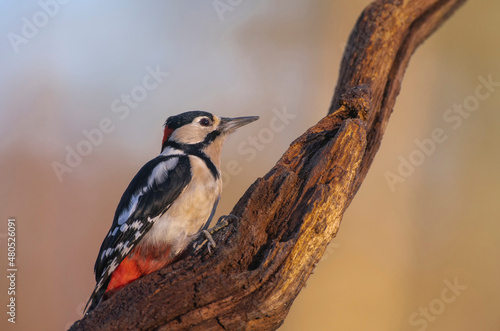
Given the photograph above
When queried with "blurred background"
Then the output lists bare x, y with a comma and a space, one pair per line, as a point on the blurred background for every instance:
86, 87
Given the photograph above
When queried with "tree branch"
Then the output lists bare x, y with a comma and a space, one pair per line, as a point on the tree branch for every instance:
288, 217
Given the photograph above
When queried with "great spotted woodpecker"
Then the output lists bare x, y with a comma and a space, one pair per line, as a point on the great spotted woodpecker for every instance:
166, 205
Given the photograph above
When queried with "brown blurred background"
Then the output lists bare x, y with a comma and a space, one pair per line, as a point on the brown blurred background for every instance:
422, 254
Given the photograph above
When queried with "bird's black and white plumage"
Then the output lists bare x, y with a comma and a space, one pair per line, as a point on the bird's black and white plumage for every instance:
167, 203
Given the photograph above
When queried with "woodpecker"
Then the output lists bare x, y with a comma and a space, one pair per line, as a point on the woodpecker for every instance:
167, 204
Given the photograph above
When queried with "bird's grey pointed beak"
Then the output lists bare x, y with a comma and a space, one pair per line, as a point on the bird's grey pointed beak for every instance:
228, 125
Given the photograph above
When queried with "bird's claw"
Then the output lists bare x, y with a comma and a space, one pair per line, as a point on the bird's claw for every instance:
206, 235
223, 221
211, 242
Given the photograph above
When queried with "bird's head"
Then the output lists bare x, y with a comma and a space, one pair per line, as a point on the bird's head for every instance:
200, 130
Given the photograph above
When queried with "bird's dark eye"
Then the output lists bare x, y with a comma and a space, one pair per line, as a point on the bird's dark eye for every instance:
205, 121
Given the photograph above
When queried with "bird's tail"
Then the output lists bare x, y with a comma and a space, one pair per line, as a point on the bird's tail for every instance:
95, 298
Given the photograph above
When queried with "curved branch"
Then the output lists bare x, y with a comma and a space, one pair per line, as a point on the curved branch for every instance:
377, 54
288, 217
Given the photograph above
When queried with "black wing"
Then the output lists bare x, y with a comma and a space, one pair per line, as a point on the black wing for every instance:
150, 193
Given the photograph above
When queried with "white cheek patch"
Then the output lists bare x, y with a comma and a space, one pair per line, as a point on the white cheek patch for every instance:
190, 133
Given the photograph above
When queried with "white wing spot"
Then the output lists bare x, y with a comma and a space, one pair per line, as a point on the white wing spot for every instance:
125, 214
171, 163
136, 225
124, 227
160, 172
99, 285
126, 248
112, 266
107, 253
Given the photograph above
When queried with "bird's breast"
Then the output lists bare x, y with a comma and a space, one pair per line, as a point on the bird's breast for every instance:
190, 211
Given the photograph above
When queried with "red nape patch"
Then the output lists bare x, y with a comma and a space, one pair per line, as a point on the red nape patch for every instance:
166, 134
138, 264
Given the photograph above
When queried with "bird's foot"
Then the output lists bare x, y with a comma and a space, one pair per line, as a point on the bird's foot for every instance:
206, 235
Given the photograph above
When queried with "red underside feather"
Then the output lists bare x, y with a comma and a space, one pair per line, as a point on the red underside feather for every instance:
138, 264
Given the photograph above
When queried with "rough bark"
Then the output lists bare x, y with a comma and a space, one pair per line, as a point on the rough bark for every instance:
288, 217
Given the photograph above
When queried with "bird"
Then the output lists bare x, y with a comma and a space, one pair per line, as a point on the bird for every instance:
168, 203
